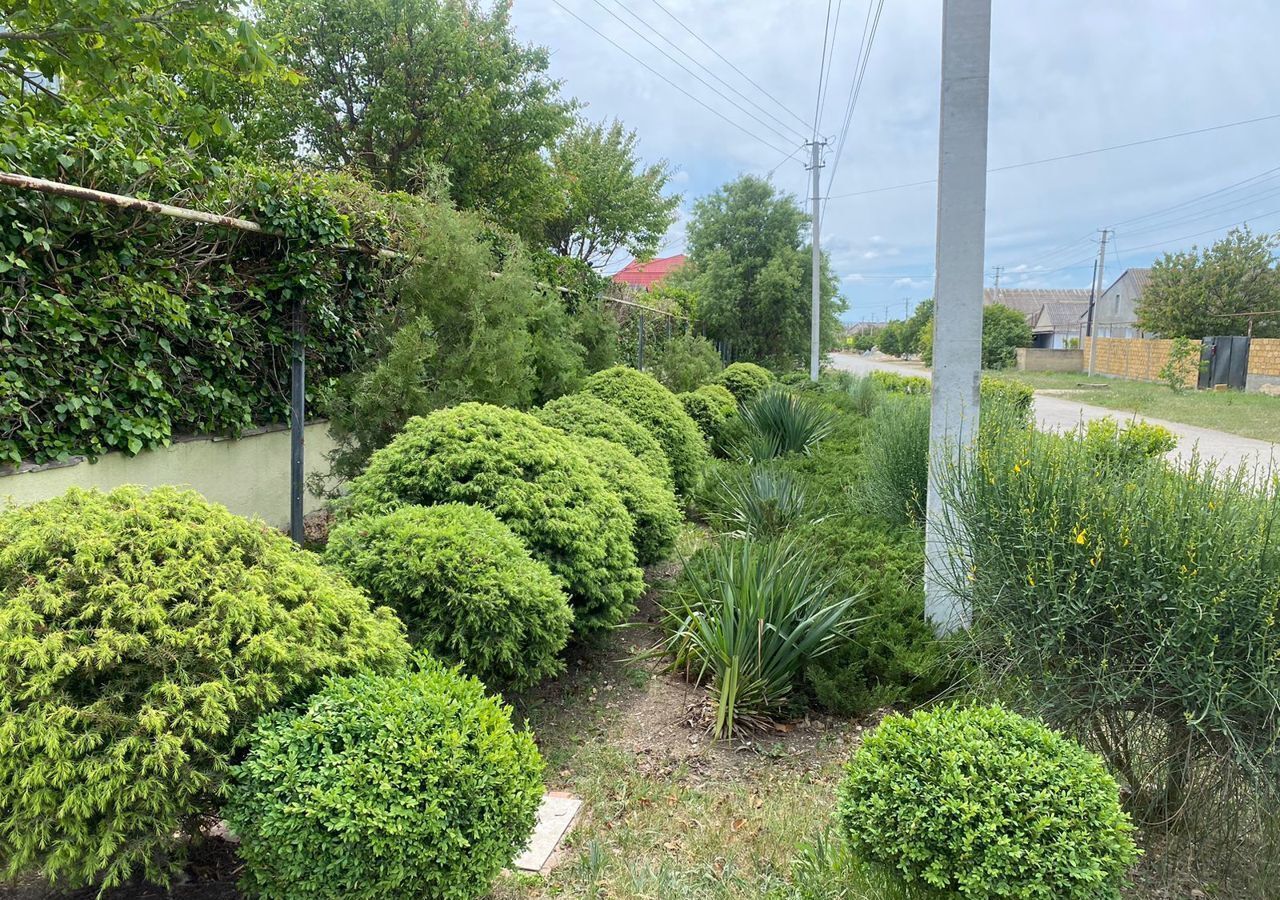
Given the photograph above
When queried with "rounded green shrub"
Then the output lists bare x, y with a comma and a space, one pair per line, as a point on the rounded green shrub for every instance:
652, 503
745, 380
142, 632
531, 477
981, 802
465, 586
656, 409
409, 786
686, 361
582, 415
710, 406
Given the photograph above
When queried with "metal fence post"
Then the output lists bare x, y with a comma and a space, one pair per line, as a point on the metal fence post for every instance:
640, 345
297, 416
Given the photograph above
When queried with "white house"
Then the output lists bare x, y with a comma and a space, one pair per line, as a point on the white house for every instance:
1117, 309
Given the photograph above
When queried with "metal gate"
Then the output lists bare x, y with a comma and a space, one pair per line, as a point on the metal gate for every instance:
1224, 360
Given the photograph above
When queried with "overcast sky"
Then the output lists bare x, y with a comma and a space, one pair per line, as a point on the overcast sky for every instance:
1066, 76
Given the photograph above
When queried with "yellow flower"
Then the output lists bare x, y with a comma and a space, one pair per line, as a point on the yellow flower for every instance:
1080, 536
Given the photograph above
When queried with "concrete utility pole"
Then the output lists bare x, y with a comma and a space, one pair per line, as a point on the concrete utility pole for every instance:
1097, 293
962, 213
998, 270
815, 316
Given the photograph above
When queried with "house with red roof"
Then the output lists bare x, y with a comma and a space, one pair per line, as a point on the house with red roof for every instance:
644, 275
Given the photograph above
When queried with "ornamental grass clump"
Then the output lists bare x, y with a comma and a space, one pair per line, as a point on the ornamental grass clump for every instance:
581, 415
656, 409
895, 477
757, 501
402, 787
464, 585
534, 479
1136, 610
980, 802
142, 632
746, 618
779, 422
745, 380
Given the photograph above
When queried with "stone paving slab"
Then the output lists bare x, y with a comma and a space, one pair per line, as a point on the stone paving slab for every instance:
556, 816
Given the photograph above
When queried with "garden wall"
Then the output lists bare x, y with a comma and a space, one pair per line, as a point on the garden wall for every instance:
1032, 359
1137, 359
1264, 363
249, 475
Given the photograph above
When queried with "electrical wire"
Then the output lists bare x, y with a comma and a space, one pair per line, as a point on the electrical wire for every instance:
691, 73
822, 66
789, 111
692, 97
869, 28
788, 131
1096, 150
824, 84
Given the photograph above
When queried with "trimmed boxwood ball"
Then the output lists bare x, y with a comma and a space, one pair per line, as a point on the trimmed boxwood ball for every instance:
582, 415
711, 406
465, 586
745, 381
534, 479
385, 787
142, 632
652, 503
981, 802
656, 409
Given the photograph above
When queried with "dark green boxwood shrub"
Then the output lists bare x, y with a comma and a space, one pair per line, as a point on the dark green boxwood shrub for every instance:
530, 476
711, 406
981, 802
686, 361
582, 415
409, 786
465, 586
141, 633
745, 380
656, 409
651, 502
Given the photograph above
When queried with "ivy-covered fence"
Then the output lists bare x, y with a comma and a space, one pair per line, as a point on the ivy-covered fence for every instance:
119, 330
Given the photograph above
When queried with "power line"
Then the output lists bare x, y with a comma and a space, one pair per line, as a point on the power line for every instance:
789, 111
790, 130
784, 159
695, 99
822, 65
824, 84
690, 72
1037, 162
869, 28
1184, 237
1229, 188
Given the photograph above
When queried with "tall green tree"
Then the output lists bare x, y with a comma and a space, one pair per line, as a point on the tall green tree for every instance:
408, 91
750, 268
146, 65
607, 199
1193, 294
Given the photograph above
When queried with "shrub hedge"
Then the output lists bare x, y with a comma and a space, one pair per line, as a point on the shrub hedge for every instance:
686, 361
651, 502
141, 633
744, 380
410, 786
711, 406
980, 802
465, 586
582, 415
655, 408
531, 477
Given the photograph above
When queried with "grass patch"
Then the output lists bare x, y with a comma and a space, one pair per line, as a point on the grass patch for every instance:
1248, 415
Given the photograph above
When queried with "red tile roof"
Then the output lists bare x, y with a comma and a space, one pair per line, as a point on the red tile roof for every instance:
645, 275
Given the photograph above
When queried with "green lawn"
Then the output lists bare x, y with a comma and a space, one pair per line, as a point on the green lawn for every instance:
1248, 415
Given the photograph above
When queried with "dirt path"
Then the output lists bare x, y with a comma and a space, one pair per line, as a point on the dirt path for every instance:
1056, 413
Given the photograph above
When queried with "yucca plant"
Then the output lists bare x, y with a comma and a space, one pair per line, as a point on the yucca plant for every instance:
762, 501
745, 619
779, 422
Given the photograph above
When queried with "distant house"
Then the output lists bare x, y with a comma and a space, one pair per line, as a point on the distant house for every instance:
1056, 315
1117, 310
642, 276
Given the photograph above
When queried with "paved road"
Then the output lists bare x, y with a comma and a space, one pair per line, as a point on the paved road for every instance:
1063, 414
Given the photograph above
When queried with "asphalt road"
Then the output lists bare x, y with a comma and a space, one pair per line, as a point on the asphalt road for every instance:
1056, 413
